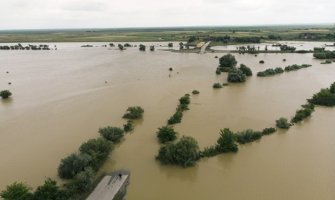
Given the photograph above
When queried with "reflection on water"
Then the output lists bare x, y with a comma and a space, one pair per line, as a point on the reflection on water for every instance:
60, 99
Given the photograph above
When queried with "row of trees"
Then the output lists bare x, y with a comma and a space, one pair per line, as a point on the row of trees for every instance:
279, 70
183, 106
326, 97
324, 55
79, 168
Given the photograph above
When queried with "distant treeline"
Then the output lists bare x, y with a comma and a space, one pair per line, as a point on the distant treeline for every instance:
226, 39
28, 47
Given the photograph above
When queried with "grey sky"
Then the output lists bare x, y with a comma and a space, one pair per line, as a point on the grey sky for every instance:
27, 14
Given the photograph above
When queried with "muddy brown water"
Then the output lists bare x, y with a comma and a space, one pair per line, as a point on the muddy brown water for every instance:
61, 99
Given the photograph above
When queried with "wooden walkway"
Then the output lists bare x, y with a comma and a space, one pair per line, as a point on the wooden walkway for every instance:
109, 187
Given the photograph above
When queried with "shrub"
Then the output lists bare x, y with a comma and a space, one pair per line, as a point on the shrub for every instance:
17, 191
135, 112
261, 62
170, 44
5, 94
301, 114
185, 99
324, 55
120, 47
270, 72
184, 153
218, 71
268, 131
142, 47
98, 149
128, 127
226, 142
217, 85
70, 166
227, 61
282, 123
247, 136
182, 107
166, 134
82, 182
50, 191
236, 76
195, 92
296, 67
332, 88
325, 97
246, 70
175, 118
209, 152
113, 134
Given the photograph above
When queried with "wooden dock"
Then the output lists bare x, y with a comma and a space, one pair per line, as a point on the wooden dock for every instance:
111, 187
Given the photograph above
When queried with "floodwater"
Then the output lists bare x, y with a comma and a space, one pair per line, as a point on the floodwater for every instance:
299, 45
60, 99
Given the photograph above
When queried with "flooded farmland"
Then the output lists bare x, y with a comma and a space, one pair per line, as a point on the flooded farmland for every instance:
61, 98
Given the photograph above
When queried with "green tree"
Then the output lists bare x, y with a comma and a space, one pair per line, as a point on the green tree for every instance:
226, 142
227, 61
120, 47
166, 134
135, 112
113, 134
16, 191
246, 70
50, 191
5, 94
175, 118
98, 149
236, 76
184, 153
70, 166
283, 123
142, 47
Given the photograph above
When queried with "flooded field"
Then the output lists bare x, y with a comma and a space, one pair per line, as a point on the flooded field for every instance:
61, 98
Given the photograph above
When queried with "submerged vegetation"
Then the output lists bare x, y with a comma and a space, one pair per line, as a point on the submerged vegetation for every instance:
166, 134
5, 94
283, 123
227, 62
324, 54
184, 153
303, 113
113, 134
326, 97
279, 70
135, 112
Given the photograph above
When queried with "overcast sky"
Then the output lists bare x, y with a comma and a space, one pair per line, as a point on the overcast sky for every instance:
42, 14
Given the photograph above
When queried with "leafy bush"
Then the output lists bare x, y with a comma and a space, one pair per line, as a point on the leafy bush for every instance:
5, 94
82, 182
246, 70
218, 71
324, 55
296, 67
185, 99
270, 72
120, 46
17, 191
50, 191
166, 134
282, 123
301, 114
268, 131
226, 142
247, 136
98, 149
182, 107
261, 62
128, 127
227, 61
175, 118
217, 85
184, 153
325, 97
135, 112
113, 134
195, 92
236, 76
70, 166
170, 44
142, 47
209, 152
332, 88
